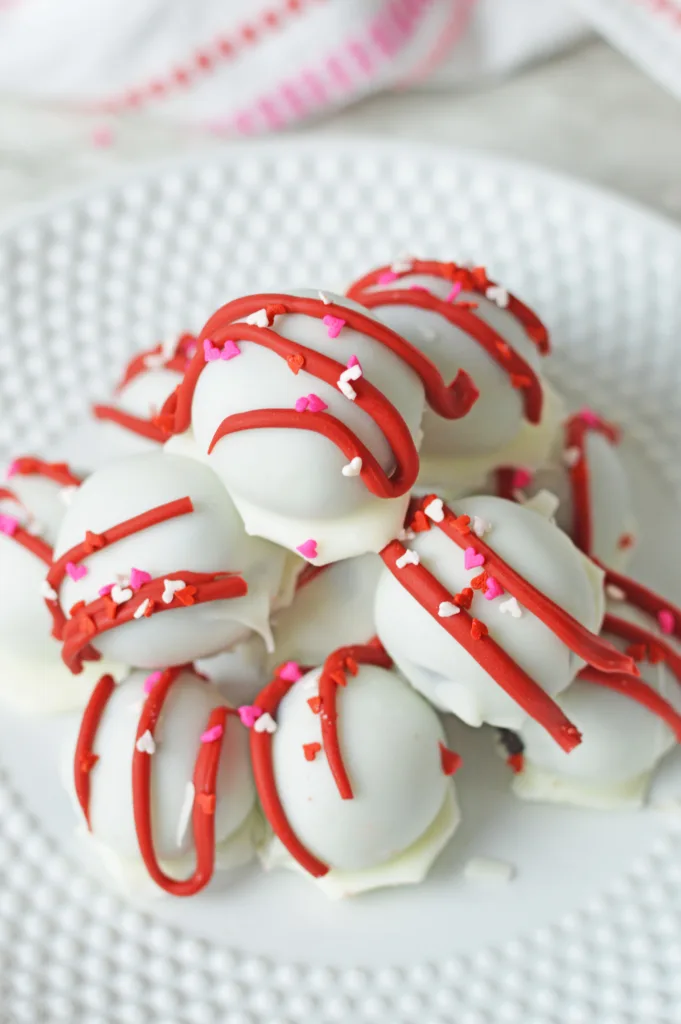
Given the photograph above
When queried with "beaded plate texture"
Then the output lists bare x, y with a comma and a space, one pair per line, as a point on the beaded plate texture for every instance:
589, 930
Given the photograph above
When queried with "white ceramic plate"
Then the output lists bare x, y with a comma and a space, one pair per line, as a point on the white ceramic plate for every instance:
590, 929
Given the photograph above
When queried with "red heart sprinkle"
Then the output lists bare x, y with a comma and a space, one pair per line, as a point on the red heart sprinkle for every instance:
186, 596
311, 750
206, 802
450, 760
464, 599
478, 629
462, 524
520, 380
93, 542
296, 362
419, 523
479, 582
315, 705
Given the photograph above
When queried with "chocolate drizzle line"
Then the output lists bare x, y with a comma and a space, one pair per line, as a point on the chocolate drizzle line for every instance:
367, 291
58, 473
576, 430
145, 427
452, 401
103, 614
204, 780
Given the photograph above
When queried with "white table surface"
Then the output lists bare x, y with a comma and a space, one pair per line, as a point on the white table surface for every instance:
589, 112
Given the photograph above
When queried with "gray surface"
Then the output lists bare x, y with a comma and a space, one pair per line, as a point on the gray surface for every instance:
590, 113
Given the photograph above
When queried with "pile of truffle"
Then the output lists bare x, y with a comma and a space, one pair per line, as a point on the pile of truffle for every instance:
316, 526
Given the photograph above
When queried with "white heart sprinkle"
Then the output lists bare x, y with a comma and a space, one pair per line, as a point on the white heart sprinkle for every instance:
119, 595
170, 588
616, 593
325, 298
168, 348
571, 457
258, 319
447, 609
435, 510
544, 502
353, 468
141, 608
265, 723
480, 526
498, 294
48, 592
347, 389
406, 534
510, 607
352, 373
145, 743
185, 813
402, 265
155, 361
35, 527
408, 558
66, 494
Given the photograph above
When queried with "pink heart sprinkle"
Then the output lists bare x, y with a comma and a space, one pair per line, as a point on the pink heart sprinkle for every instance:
138, 577
76, 572
353, 361
103, 591
521, 478
471, 558
301, 404
456, 289
212, 734
249, 714
12, 469
387, 276
316, 404
588, 416
291, 672
151, 680
8, 525
211, 352
493, 588
230, 349
334, 325
308, 549
666, 620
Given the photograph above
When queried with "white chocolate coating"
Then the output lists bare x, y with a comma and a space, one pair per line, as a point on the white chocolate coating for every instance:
33, 677
240, 672
622, 741
333, 610
389, 738
299, 491
438, 666
144, 397
457, 454
611, 506
210, 540
178, 733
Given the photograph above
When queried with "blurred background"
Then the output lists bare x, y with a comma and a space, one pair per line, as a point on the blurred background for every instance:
590, 87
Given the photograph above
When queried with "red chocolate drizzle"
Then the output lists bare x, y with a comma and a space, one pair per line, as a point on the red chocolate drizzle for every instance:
151, 427
429, 592
576, 430
204, 780
521, 374
452, 401
334, 674
59, 473
102, 614
638, 690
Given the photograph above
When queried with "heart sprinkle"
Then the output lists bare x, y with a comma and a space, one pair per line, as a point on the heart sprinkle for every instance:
462, 524
170, 588
446, 609
151, 680
258, 319
615, 593
588, 416
471, 559
493, 589
387, 277
8, 525
408, 558
290, 671
480, 526
478, 629
353, 468
456, 290
213, 734
521, 478
146, 744
249, 714
211, 352
76, 572
666, 621
435, 510
311, 403
450, 760
295, 362
571, 457
511, 607
464, 598
48, 592
141, 609
419, 523
138, 577
333, 324
308, 549
230, 350
311, 750
479, 582
265, 723
325, 299
347, 389
498, 294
